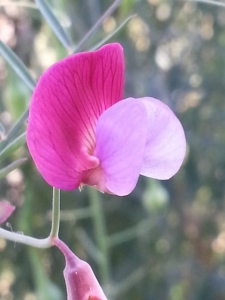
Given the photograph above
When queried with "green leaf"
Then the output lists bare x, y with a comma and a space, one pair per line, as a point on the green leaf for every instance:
87, 36
54, 23
21, 4
102, 42
2, 130
213, 2
16, 96
15, 131
11, 167
17, 65
13, 146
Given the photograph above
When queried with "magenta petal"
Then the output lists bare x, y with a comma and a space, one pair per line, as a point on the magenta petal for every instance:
166, 145
81, 283
120, 141
6, 209
69, 98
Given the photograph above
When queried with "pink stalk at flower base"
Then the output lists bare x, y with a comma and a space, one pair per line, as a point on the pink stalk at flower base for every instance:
81, 283
82, 132
6, 209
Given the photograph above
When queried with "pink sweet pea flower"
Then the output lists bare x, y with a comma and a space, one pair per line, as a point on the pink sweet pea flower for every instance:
6, 209
81, 132
81, 283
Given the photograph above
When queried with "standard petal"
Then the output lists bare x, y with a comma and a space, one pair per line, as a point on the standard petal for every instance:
6, 209
120, 140
69, 98
166, 146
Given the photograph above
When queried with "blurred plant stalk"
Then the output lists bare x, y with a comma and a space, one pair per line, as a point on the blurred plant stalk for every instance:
34, 242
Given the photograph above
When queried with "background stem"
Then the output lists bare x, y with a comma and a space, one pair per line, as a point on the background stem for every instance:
100, 234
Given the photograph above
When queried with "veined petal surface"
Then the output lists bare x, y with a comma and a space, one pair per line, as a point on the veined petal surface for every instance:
66, 104
166, 145
121, 134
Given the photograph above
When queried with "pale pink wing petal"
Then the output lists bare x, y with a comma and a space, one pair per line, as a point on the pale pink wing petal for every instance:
68, 99
166, 144
81, 283
6, 209
120, 140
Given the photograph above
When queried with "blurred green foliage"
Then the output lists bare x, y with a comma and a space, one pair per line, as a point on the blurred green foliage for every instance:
166, 241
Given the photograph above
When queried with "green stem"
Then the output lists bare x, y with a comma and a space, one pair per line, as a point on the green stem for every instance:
17, 65
54, 23
122, 237
213, 2
22, 4
133, 279
100, 234
38, 243
19, 124
11, 167
13, 146
55, 213
108, 37
25, 239
87, 36
15, 131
